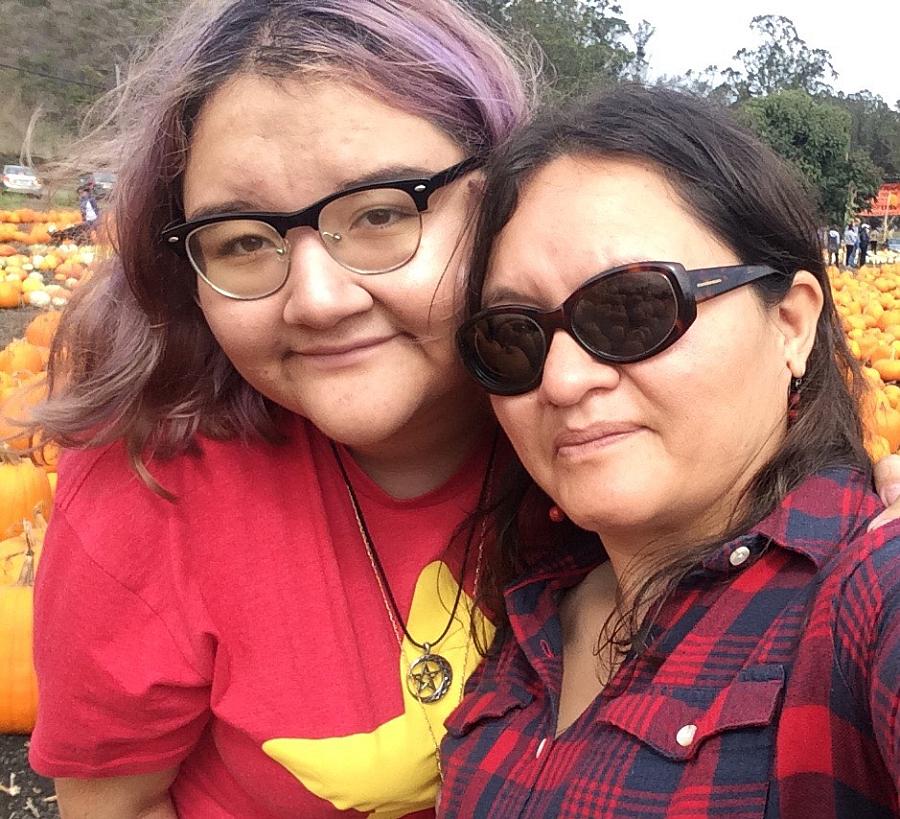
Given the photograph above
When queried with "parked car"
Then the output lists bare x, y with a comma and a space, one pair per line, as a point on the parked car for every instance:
20, 179
100, 182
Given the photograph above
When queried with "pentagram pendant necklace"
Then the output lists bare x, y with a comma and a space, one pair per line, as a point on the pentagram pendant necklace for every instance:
430, 676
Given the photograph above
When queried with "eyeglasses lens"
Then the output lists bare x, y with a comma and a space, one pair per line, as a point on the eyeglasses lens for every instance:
510, 350
367, 232
242, 257
372, 231
624, 316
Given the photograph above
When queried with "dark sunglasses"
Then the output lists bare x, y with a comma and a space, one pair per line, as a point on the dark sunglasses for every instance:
620, 316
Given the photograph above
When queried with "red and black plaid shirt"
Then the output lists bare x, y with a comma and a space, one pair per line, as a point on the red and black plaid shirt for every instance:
770, 687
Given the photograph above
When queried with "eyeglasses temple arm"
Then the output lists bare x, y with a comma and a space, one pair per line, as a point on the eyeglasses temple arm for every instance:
447, 176
718, 280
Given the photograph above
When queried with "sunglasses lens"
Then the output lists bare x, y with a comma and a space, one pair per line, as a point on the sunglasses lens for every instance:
626, 316
505, 352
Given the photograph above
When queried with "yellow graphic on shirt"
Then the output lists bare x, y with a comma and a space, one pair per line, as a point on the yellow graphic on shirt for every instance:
392, 771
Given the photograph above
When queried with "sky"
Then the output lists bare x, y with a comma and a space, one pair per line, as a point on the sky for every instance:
863, 38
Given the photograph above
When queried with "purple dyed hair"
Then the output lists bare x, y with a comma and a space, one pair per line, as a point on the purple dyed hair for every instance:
134, 358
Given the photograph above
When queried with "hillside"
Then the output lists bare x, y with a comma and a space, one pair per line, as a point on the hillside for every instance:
70, 50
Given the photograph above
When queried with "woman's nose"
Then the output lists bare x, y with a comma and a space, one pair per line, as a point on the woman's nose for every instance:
570, 372
320, 292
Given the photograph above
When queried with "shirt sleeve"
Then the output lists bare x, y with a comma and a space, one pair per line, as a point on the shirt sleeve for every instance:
867, 644
884, 681
117, 696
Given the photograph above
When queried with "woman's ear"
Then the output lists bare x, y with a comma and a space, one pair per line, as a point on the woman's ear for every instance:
797, 317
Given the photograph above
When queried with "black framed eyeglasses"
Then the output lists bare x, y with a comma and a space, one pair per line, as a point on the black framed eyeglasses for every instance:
620, 316
368, 229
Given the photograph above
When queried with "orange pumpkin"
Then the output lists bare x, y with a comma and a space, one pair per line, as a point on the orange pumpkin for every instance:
15, 408
18, 683
24, 492
10, 295
14, 549
21, 355
888, 368
42, 328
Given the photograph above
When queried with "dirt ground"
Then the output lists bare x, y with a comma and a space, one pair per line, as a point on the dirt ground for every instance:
12, 325
23, 793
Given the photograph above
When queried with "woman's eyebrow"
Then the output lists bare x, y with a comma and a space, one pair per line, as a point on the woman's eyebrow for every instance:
505, 295
390, 173
233, 206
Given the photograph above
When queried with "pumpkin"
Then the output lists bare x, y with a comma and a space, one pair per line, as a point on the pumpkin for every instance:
16, 405
18, 683
10, 295
24, 492
21, 355
878, 447
14, 550
888, 368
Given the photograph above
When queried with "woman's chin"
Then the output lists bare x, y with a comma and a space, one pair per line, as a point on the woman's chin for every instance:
613, 509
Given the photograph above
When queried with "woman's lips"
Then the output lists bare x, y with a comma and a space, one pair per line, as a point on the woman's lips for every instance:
574, 442
344, 353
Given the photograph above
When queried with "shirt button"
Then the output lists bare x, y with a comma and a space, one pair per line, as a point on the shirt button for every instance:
540, 748
739, 555
685, 735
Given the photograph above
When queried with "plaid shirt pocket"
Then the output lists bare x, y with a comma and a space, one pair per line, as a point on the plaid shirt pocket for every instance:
698, 750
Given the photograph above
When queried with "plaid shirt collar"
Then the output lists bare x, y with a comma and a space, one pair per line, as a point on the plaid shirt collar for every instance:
804, 523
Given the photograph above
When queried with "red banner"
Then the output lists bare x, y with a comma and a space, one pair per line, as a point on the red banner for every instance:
887, 202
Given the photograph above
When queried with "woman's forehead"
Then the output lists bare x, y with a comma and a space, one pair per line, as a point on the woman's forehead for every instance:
277, 144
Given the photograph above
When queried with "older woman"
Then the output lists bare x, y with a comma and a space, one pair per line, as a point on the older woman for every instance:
717, 632
254, 597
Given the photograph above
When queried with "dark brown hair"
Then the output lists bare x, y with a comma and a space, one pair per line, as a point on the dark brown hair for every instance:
750, 200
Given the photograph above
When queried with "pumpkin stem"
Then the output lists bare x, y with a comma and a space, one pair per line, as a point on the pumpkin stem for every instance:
26, 576
8, 455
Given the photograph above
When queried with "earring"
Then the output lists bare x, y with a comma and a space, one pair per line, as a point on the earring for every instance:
794, 399
556, 514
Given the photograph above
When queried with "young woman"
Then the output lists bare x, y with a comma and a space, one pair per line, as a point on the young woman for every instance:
720, 634
236, 617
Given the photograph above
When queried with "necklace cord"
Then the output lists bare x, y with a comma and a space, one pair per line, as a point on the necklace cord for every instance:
376, 560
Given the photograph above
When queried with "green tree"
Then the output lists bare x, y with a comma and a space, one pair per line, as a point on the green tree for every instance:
875, 128
783, 61
814, 135
586, 42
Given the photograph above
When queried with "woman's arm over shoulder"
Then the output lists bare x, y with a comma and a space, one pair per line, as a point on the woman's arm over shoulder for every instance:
120, 797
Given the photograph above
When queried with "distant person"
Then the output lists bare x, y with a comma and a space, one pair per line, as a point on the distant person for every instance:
863, 243
833, 239
851, 241
874, 239
90, 211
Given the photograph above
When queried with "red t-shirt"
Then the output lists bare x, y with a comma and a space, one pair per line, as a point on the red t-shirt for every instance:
239, 633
